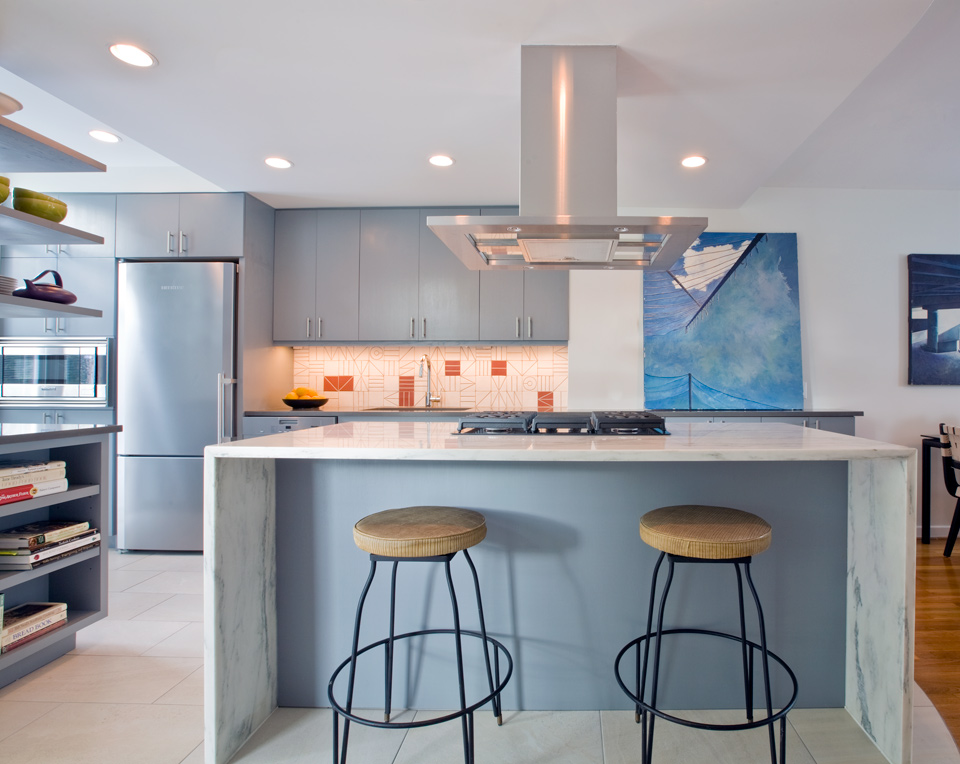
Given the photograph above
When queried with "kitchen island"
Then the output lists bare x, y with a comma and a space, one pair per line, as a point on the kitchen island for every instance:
563, 571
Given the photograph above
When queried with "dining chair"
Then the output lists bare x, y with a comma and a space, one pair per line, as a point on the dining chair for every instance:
950, 442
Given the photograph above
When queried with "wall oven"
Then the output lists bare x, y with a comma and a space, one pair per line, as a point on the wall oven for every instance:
63, 372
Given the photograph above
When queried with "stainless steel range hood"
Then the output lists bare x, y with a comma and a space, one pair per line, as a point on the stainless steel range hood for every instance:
568, 179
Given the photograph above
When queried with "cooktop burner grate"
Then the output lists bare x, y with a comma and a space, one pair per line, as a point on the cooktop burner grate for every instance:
492, 422
573, 422
628, 423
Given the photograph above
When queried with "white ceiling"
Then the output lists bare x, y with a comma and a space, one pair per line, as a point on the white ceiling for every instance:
359, 93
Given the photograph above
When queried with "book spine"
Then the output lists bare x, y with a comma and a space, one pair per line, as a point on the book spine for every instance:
30, 551
23, 492
8, 564
20, 469
32, 478
64, 533
21, 623
35, 635
65, 546
18, 634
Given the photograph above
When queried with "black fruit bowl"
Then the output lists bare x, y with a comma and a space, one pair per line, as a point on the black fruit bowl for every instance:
305, 403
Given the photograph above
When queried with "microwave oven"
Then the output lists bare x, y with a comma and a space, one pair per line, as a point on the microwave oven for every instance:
64, 372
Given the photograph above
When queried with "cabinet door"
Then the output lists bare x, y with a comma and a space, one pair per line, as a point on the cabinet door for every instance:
449, 291
26, 268
338, 275
389, 257
501, 296
501, 305
211, 226
96, 214
94, 281
27, 416
294, 275
147, 225
546, 305
83, 416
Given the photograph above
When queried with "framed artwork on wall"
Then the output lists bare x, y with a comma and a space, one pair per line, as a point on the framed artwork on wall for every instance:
934, 319
721, 328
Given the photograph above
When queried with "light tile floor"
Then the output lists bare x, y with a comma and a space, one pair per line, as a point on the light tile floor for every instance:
132, 693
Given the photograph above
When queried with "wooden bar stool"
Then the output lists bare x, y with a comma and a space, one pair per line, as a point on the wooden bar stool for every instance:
419, 534
703, 534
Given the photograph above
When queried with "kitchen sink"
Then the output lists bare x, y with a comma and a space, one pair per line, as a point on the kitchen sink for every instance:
418, 409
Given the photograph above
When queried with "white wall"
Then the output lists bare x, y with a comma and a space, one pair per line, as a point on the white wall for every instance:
853, 301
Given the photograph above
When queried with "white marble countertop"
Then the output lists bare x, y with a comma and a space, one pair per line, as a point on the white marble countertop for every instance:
424, 440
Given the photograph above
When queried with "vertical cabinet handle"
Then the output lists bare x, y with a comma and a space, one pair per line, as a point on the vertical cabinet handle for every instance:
47, 417
518, 327
319, 327
413, 328
59, 418
169, 241
46, 326
308, 328
182, 247
424, 328
529, 327
61, 325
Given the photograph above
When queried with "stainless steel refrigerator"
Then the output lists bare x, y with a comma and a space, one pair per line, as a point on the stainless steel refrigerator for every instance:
176, 350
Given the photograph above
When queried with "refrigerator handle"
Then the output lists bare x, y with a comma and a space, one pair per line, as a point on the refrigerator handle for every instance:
222, 381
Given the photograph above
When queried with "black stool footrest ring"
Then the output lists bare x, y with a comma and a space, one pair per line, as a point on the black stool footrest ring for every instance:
766, 721
497, 646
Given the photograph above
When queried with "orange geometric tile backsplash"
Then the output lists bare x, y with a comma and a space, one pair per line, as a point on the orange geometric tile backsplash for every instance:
489, 378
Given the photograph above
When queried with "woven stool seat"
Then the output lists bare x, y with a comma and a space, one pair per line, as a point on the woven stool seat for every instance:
419, 531
706, 533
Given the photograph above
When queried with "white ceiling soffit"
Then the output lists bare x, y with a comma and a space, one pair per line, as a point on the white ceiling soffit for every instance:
359, 94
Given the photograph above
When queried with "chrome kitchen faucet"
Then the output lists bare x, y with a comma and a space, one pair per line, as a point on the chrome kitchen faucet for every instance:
431, 398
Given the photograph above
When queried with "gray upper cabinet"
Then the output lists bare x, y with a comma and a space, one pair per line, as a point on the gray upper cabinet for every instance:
316, 275
294, 275
449, 292
96, 213
338, 275
546, 306
532, 306
179, 225
389, 274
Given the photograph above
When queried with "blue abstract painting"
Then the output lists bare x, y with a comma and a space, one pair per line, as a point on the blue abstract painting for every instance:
934, 319
722, 327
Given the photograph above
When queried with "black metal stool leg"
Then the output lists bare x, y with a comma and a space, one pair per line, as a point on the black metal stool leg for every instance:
747, 665
647, 754
388, 658
766, 669
465, 725
642, 674
497, 712
353, 668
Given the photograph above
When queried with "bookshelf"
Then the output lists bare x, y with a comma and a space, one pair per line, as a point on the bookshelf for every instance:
79, 580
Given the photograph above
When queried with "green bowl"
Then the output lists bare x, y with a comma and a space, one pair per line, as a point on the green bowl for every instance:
55, 211
26, 193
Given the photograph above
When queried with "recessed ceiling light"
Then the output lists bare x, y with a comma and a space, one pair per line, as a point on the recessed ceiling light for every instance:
8, 105
441, 160
131, 54
103, 135
279, 162
693, 161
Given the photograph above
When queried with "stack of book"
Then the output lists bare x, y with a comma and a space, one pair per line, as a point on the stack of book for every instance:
27, 480
35, 544
26, 622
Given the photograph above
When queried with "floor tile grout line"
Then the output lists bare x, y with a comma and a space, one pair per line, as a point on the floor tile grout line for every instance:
802, 741
603, 757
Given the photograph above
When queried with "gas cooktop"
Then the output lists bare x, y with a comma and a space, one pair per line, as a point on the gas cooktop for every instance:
561, 423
